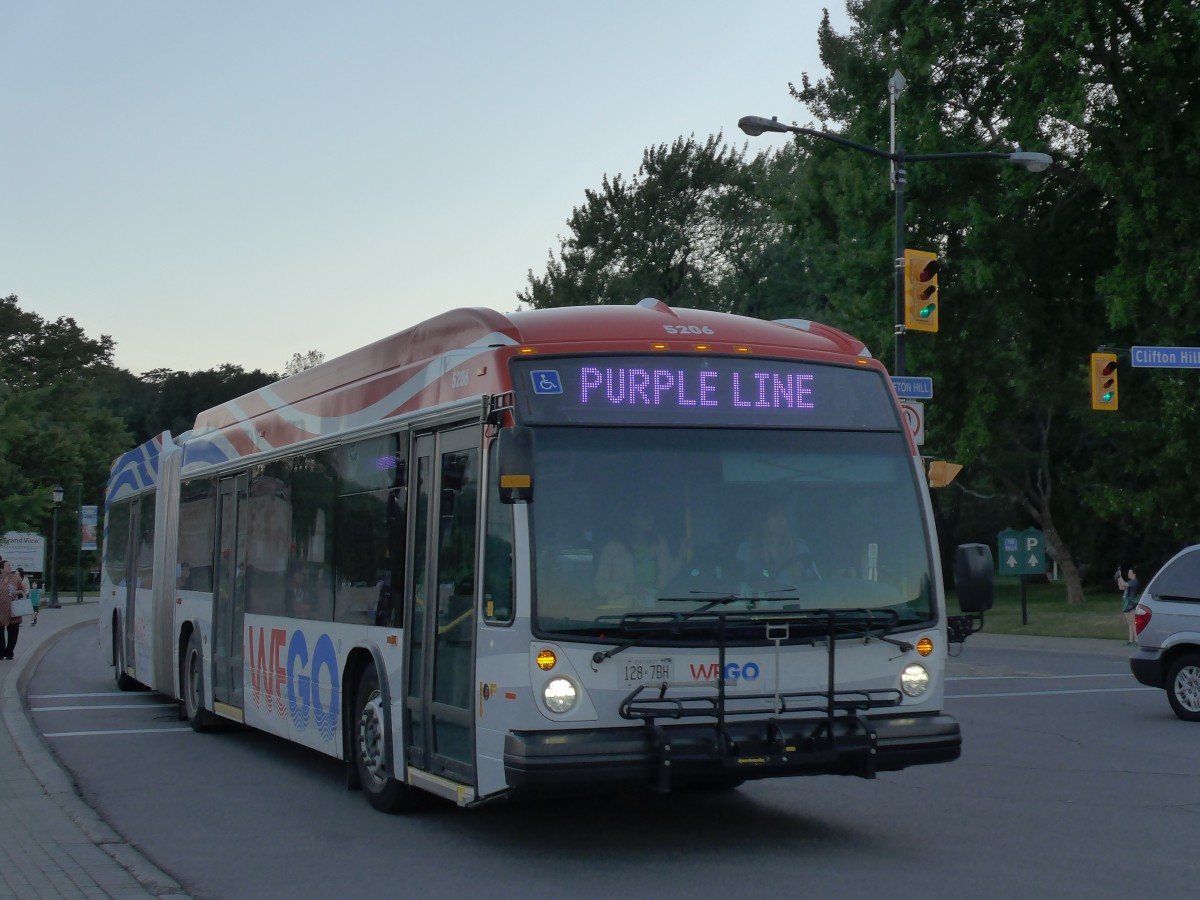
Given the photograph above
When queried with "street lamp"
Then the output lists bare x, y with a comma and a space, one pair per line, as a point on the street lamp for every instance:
1033, 162
57, 494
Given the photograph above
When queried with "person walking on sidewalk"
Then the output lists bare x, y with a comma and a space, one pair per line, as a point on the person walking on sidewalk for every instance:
10, 589
35, 597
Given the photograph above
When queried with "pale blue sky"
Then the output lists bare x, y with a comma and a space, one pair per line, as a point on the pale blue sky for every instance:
235, 182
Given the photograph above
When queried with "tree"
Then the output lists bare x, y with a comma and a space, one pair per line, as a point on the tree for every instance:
1037, 271
300, 362
181, 396
55, 427
691, 228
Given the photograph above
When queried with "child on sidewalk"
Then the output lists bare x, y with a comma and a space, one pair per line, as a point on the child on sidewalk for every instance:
35, 597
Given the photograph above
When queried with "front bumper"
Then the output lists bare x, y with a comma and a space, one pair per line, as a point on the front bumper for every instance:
661, 756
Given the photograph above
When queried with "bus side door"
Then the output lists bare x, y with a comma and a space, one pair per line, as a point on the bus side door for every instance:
439, 724
229, 602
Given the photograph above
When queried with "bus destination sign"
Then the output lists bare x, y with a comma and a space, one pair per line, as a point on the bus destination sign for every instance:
700, 391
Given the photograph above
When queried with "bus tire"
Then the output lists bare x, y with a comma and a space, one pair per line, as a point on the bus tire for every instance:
191, 683
369, 740
124, 681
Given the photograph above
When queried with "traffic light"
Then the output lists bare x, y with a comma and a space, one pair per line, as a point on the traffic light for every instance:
1104, 381
941, 473
920, 290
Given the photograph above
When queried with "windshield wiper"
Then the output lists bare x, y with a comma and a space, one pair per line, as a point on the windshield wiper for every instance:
722, 599
676, 619
868, 631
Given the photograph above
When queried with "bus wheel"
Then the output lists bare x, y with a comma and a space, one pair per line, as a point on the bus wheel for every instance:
370, 748
124, 681
192, 685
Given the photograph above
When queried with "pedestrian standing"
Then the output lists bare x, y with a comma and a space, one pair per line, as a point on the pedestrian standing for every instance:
1129, 586
35, 597
10, 590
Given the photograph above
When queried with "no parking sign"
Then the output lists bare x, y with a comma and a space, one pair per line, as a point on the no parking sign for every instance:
914, 419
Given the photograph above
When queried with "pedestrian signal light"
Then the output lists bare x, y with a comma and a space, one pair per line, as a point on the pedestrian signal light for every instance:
1104, 381
920, 290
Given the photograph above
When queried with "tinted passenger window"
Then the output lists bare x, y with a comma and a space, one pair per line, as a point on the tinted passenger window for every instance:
1180, 579
116, 543
197, 524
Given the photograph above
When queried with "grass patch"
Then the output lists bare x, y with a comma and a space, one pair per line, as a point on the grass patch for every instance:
1049, 615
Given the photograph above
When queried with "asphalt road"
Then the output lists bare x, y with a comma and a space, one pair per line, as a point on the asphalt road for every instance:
1075, 781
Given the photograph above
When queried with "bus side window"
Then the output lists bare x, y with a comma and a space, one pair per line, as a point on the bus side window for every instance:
369, 543
116, 543
497, 559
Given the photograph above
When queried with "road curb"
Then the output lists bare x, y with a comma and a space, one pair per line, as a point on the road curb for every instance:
42, 762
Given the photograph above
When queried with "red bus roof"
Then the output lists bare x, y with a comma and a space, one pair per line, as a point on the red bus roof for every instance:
463, 353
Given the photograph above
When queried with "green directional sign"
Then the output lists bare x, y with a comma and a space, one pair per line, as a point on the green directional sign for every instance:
1021, 552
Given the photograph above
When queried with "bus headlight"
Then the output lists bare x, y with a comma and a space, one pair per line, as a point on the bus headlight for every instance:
914, 680
559, 695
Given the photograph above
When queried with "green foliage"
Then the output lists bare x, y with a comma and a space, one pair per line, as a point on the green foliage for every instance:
66, 413
1031, 262
54, 424
179, 396
691, 228
1046, 614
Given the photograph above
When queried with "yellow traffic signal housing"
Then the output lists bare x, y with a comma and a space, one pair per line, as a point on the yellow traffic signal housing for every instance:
920, 290
941, 473
1104, 381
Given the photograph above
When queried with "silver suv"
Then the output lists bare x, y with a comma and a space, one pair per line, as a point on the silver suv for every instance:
1168, 630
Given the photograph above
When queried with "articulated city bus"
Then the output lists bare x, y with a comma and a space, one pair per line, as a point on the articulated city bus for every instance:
553, 548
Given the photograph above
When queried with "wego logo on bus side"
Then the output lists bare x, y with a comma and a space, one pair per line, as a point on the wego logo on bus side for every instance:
733, 672
271, 670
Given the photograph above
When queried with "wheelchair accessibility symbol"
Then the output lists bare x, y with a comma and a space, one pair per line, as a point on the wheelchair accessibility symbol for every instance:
546, 381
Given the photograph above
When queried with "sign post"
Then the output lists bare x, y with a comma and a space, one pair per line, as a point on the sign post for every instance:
1022, 553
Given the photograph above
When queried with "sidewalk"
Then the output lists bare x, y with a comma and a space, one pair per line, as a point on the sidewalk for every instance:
54, 844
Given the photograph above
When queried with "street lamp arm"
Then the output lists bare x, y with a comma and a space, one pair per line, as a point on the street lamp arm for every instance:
1034, 162
756, 125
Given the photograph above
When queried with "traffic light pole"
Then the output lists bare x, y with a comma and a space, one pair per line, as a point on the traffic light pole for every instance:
1034, 162
898, 368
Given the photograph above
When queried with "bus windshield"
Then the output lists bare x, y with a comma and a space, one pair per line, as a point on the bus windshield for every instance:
630, 520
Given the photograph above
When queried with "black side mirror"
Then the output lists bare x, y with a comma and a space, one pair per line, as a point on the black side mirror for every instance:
974, 577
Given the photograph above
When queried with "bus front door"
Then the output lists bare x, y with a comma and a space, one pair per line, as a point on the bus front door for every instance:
229, 601
439, 726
